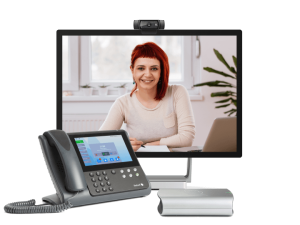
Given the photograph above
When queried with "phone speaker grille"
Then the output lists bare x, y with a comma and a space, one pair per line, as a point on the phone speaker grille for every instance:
60, 167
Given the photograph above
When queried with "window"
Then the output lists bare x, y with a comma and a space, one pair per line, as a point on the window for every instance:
70, 62
65, 58
106, 59
111, 56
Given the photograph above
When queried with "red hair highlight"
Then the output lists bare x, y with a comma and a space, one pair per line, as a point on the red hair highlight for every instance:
152, 50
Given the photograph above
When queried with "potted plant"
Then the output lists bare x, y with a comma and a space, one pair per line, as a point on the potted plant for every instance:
87, 90
231, 95
122, 89
103, 89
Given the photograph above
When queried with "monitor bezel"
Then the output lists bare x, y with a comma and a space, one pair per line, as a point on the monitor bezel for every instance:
237, 33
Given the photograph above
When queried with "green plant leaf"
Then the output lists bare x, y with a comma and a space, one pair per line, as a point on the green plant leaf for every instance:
232, 70
234, 110
230, 113
223, 94
234, 101
221, 58
225, 100
216, 83
211, 70
122, 85
221, 106
86, 86
235, 61
231, 110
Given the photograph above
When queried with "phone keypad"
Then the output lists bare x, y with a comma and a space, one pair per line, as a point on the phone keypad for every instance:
101, 177
115, 180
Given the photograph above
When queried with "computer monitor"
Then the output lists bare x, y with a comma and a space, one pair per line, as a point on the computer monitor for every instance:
165, 89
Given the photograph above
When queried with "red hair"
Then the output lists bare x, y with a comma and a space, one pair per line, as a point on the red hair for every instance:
152, 50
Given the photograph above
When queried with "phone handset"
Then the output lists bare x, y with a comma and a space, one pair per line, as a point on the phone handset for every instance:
74, 178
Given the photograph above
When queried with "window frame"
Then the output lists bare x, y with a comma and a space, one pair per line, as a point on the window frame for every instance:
72, 84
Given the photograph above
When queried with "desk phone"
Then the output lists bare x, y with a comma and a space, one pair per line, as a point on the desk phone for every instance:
87, 168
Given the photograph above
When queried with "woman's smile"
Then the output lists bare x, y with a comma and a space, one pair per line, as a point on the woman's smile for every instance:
146, 81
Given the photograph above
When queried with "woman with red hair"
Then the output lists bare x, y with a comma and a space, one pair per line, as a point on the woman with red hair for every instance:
155, 112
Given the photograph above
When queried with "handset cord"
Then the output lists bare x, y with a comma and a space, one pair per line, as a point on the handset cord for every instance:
27, 207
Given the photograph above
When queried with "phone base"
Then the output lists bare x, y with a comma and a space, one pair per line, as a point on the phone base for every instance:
52, 199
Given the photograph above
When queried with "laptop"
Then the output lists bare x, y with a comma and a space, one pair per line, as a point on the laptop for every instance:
221, 137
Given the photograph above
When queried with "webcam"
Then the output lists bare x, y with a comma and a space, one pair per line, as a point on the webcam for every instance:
149, 26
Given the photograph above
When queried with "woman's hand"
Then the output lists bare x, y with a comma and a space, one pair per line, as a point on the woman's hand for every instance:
135, 143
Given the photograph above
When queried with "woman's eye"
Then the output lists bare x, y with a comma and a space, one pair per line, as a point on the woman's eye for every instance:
141, 68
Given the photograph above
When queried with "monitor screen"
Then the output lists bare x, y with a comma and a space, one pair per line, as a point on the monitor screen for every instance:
176, 92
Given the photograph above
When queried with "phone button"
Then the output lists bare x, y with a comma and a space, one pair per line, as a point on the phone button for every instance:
108, 183
130, 175
95, 185
97, 190
124, 176
110, 188
128, 170
113, 172
134, 169
121, 171
99, 178
104, 189
106, 178
91, 174
98, 173
93, 179
104, 173
137, 174
102, 184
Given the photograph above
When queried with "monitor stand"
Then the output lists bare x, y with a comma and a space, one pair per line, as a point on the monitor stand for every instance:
171, 181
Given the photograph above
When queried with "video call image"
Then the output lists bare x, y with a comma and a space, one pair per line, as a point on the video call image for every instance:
102, 150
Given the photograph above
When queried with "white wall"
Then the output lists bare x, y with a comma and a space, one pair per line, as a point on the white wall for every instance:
204, 111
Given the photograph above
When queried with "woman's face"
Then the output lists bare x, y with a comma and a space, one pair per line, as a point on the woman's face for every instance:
146, 72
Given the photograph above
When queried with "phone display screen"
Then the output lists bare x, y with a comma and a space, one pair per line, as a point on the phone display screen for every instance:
101, 150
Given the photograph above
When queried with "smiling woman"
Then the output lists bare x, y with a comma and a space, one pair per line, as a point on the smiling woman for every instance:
146, 75
155, 112
150, 63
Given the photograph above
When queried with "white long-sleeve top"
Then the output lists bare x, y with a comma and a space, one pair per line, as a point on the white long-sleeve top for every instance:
171, 122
